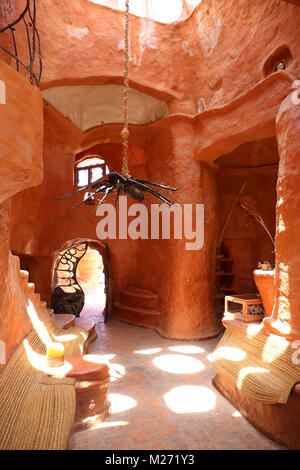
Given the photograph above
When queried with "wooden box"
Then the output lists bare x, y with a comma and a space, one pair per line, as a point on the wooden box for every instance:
245, 307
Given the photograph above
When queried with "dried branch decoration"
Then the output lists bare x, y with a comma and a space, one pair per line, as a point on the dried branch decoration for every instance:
229, 215
253, 212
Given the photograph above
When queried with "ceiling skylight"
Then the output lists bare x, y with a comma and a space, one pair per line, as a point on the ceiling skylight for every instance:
164, 11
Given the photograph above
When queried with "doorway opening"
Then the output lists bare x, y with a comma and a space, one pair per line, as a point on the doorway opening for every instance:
91, 277
247, 179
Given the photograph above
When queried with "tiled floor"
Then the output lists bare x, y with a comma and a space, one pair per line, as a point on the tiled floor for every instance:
162, 397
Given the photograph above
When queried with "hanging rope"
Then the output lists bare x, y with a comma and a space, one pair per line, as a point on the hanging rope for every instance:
134, 187
125, 130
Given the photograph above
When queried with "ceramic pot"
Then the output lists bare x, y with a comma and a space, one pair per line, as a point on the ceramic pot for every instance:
264, 281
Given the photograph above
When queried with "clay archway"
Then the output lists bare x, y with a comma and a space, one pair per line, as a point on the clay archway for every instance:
104, 252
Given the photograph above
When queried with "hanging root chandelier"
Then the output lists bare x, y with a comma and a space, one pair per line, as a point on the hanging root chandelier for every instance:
124, 182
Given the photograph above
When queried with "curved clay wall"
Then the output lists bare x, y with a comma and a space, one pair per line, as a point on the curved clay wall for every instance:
217, 54
21, 123
223, 46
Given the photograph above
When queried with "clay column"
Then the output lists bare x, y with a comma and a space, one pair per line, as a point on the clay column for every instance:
187, 277
285, 318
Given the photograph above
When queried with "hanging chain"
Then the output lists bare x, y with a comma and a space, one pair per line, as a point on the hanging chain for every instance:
125, 130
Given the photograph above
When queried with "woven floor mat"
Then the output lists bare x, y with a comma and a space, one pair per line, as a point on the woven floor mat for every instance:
260, 366
37, 411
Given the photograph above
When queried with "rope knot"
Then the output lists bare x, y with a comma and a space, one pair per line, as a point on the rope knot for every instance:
125, 133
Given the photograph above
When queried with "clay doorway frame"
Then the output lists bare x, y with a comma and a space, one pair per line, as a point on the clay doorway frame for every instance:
103, 250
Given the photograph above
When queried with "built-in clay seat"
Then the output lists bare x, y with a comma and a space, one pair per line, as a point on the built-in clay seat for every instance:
50, 402
91, 385
67, 320
260, 366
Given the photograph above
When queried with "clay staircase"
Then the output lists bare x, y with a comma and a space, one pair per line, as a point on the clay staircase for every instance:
137, 306
43, 312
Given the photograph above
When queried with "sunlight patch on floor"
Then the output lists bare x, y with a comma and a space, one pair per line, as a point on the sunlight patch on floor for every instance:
178, 364
187, 349
148, 351
110, 424
190, 399
116, 370
120, 403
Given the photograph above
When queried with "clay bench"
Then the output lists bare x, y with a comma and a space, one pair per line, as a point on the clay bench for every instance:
65, 321
41, 406
91, 386
260, 366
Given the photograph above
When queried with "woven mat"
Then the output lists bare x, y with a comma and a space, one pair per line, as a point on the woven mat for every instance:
260, 366
37, 411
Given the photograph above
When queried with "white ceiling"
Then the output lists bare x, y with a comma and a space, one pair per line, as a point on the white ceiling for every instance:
90, 106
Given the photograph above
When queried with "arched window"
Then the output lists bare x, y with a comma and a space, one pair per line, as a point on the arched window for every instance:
89, 170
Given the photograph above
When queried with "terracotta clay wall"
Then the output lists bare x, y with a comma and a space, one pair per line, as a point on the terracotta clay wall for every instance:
215, 62
21, 123
223, 46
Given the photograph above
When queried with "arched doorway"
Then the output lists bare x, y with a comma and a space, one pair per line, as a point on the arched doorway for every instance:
82, 281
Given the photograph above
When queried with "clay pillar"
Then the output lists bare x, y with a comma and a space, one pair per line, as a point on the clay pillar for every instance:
186, 277
285, 318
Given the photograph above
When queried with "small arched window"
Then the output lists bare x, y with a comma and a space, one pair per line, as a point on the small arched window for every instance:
89, 170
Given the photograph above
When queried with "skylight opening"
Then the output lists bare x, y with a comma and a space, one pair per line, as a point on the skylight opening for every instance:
164, 11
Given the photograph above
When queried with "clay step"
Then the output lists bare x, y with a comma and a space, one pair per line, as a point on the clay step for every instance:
37, 297
140, 298
43, 304
24, 274
138, 316
31, 287
64, 321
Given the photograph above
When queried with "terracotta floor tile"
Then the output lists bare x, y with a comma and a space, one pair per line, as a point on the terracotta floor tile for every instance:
156, 420
143, 434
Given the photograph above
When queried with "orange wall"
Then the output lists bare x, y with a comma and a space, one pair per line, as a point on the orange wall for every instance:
222, 58
216, 54
21, 123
